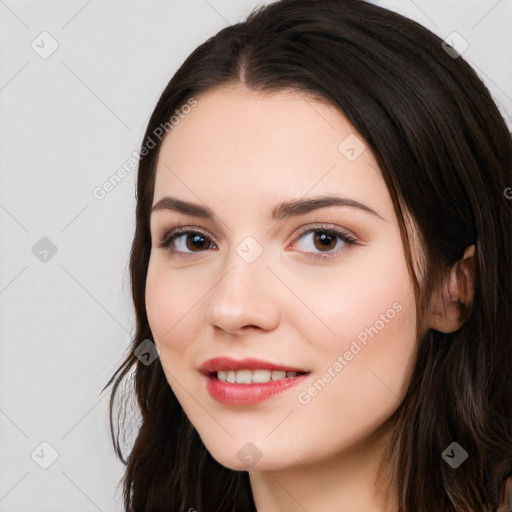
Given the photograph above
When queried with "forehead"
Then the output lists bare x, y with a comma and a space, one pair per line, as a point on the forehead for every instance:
243, 147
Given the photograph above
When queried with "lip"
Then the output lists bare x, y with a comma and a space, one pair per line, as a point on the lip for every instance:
246, 394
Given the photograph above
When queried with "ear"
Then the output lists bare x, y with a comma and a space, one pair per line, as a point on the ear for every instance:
452, 304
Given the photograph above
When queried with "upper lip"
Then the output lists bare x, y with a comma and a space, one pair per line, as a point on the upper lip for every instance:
226, 363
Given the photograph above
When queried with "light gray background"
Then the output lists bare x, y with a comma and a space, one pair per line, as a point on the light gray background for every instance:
68, 122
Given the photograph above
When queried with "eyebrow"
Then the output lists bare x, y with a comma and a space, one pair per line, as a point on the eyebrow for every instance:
280, 211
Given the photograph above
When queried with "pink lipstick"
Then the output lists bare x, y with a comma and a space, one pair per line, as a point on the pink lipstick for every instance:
248, 381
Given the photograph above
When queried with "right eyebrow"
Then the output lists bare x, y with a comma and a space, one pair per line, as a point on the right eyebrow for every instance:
177, 205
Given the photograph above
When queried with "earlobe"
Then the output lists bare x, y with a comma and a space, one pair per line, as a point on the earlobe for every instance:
452, 305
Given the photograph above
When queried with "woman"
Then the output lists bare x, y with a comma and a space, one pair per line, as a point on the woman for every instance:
322, 259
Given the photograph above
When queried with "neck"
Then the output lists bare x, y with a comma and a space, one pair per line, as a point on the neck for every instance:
348, 481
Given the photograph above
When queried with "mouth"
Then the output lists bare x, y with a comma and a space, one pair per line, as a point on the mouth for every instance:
248, 381
260, 376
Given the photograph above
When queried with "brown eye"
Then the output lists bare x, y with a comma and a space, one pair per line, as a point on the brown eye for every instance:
186, 241
321, 242
196, 241
324, 241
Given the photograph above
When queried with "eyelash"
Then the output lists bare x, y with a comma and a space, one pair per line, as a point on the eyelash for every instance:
328, 230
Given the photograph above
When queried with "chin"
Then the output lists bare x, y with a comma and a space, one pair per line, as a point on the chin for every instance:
243, 455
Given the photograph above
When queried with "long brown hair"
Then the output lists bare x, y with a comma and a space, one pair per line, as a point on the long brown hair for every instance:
446, 156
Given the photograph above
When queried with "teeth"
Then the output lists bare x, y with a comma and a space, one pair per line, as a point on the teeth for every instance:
250, 376
260, 375
243, 377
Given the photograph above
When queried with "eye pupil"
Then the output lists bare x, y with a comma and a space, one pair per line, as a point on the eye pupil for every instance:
326, 240
197, 241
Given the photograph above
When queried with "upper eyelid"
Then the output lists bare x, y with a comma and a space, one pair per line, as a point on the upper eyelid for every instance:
182, 230
302, 229
323, 225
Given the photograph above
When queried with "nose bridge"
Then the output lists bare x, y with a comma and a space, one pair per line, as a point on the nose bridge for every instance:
244, 275
244, 294
245, 265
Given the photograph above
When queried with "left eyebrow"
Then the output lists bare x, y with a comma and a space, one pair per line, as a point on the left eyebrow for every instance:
301, 206
280, 211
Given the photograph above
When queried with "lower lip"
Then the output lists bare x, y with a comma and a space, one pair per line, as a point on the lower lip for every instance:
246, 394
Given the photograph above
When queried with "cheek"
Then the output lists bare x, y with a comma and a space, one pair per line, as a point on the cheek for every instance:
368, 288
365, 313
170, 309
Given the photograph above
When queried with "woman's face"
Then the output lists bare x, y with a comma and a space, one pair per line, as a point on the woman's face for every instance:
249, 280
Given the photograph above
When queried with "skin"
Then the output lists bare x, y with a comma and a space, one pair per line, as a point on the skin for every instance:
240, 153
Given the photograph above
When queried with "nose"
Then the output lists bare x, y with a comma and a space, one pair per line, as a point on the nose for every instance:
244, 298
